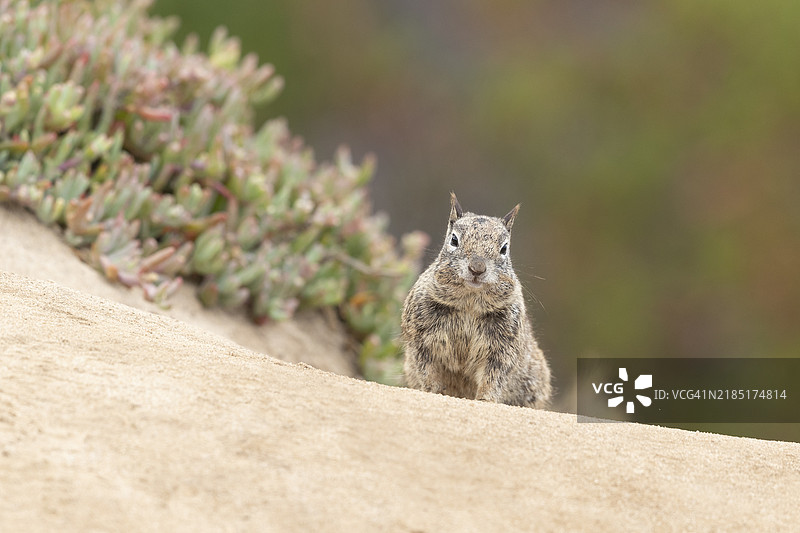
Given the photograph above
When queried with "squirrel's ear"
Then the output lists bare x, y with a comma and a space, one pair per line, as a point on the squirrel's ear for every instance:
508, 220
455, 208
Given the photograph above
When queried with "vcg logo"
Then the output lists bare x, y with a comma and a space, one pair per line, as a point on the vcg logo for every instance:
644, 381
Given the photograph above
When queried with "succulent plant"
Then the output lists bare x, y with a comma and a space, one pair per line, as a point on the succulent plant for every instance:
146, 155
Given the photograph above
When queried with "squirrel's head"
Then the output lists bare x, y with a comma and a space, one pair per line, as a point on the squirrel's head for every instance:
476, 256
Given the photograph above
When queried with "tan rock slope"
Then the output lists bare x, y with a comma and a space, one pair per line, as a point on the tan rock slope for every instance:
116, 419
31, 249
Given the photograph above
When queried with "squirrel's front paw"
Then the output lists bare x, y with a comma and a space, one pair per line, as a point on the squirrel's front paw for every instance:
487, 397
435, 388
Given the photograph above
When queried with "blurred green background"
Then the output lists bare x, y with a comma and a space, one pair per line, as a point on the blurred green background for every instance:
653, 145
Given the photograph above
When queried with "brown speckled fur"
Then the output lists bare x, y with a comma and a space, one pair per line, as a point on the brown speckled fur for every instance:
466, 332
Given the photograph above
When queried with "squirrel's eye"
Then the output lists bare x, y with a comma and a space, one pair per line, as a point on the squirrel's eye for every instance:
504, 249
454, 240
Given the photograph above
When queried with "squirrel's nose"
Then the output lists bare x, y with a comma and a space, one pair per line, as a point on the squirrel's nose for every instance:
477, 266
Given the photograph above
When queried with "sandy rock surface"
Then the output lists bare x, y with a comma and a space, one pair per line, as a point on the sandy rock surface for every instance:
34, 250
118, 419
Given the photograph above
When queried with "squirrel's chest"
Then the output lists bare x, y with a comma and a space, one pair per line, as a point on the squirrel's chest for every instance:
462, 344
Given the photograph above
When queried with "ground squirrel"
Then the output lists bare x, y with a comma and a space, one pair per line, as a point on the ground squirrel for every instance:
465, 327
